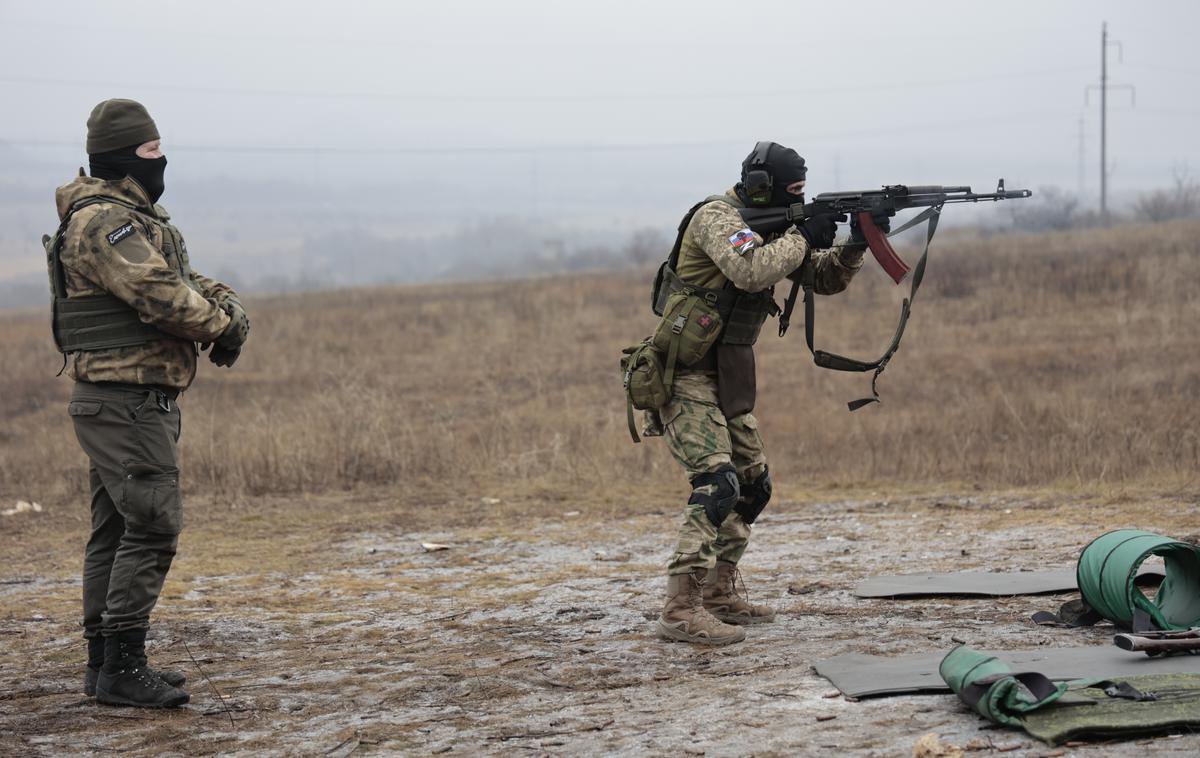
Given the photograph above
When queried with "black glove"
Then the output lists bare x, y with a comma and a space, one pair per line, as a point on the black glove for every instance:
882, 221
224, 356
238, 331
820, 230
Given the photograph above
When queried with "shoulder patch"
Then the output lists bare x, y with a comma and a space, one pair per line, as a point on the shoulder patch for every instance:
119, 234
742, 241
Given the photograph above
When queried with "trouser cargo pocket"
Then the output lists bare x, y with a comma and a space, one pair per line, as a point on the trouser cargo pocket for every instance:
150, 499
84, 407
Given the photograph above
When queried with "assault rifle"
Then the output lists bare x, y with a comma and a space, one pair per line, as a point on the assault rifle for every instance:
868, 205
1160, 643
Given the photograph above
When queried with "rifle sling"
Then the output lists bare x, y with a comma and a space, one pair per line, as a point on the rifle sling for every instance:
841, 363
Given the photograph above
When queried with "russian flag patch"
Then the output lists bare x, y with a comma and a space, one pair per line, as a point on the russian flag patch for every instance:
743, 241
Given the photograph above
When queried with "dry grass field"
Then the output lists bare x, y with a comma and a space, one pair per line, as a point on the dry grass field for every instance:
1042, 395
1064, 359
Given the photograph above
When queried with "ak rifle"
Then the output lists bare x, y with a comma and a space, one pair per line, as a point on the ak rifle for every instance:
868, 205
1160, 643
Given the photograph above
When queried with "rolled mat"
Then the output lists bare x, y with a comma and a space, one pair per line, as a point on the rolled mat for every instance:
1106, 575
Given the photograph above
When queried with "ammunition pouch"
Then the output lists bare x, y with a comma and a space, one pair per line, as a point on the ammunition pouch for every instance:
643, 380
746, 317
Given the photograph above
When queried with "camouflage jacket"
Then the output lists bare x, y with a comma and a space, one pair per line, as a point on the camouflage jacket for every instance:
710, 256
109, 248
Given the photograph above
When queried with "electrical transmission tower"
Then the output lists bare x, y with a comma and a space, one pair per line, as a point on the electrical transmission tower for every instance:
1104, 87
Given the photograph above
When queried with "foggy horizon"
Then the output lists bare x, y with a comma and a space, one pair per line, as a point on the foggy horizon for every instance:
581, 124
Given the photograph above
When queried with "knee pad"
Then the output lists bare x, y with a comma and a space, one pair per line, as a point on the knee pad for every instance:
755, 496
717, 491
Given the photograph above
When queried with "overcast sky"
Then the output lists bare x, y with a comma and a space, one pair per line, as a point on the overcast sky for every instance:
556, 105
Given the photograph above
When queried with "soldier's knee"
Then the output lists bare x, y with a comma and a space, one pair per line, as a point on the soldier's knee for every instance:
717, 491
755, 496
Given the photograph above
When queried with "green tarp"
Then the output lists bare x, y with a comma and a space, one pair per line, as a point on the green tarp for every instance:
1176, 708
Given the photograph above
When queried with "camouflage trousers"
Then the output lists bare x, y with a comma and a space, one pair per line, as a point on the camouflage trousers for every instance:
702, 440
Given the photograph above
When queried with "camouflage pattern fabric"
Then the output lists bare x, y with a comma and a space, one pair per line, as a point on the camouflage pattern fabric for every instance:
702, 439
140, 258
708, 256
712, 254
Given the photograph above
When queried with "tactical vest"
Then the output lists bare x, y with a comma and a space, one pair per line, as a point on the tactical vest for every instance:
743, 313
102, 322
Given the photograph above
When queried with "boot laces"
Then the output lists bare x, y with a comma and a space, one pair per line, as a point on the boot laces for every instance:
150, 679
734, 581
695, 591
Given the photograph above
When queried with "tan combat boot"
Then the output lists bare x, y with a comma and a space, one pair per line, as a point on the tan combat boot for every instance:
684, 618
722, 600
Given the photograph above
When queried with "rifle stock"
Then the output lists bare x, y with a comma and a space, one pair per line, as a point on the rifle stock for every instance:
1152, 643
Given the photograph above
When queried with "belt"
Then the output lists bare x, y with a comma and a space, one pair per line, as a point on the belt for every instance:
170, 392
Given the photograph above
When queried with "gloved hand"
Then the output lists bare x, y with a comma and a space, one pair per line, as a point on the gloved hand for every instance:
857, 237
238, 331
224, 356
820, 230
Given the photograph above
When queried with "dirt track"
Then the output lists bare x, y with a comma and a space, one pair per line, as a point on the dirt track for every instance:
530, 634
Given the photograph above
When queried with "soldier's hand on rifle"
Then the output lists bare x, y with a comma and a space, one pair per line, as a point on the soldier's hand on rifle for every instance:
820, 230
883, 221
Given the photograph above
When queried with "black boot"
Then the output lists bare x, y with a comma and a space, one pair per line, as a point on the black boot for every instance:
95, 661
125, 680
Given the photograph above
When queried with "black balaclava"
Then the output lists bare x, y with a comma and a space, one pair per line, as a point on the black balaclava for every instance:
124, 161
785, 167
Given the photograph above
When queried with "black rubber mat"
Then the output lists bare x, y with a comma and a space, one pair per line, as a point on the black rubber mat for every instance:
980, 583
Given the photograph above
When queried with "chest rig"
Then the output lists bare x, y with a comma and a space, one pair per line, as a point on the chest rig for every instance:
743, 313
103, 322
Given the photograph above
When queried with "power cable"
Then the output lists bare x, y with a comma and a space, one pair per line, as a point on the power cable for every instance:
525, 98
897, 130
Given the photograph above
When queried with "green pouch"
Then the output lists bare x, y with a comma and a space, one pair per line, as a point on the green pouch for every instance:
689, 327
643, 379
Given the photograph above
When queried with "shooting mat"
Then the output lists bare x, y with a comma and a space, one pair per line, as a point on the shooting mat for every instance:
858, 675
982, 583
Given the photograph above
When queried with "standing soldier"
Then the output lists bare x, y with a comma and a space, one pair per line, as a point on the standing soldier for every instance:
128, 311
722, 273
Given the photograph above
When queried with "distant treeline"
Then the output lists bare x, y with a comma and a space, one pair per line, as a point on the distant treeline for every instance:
353, 251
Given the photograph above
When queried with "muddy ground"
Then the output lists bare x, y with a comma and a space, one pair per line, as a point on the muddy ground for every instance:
321, 626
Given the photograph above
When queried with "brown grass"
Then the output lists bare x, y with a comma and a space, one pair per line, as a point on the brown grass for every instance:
1062, 359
